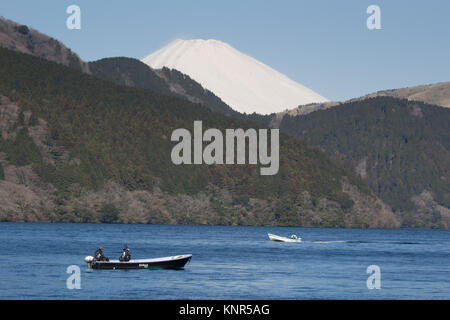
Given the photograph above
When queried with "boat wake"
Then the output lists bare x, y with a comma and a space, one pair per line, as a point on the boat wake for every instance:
340, 241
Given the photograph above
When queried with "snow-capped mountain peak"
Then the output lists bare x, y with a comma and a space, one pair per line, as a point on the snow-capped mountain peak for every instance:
242, 82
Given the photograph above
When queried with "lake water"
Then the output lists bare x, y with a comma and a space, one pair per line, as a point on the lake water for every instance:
228, 262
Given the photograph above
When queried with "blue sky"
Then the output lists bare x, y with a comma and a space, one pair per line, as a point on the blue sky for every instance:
324, 45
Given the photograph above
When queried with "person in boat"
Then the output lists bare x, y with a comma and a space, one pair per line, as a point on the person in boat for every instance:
294, 237
126, 256
99, 256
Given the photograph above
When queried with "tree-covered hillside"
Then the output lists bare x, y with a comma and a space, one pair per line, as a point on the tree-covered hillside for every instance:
21, 38
184, 86
132, 72
400, 148
100, 132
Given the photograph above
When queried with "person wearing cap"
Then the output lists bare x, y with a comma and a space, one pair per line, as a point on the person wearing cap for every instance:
99, 256
126, 256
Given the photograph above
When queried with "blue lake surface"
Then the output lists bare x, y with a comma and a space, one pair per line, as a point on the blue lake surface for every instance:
228, 262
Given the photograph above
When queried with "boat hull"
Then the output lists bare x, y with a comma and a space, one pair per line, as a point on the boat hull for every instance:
174, 262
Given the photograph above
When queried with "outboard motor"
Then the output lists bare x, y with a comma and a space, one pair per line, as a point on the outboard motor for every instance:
89, 260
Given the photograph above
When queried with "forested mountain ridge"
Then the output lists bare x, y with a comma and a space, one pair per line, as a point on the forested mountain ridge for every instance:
436, 93
129, 72
400, 148
90, 150
184, 86
21, 38
132, 72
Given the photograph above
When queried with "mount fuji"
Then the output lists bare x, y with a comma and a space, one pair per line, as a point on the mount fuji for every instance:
244, 83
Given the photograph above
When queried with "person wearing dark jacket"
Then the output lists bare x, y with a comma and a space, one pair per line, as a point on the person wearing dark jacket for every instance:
126, 256
99, 256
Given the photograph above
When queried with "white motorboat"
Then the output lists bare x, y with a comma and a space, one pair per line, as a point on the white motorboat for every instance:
293, 238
